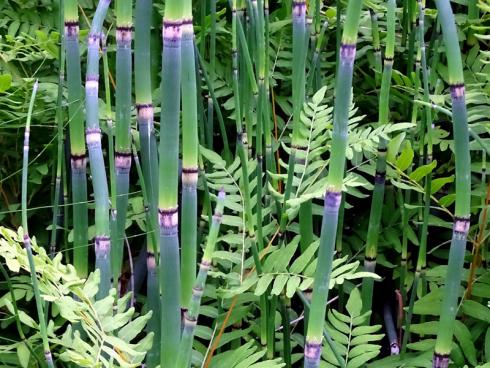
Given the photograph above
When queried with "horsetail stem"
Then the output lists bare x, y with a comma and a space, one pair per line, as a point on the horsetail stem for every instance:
343, 95
27, 239
380, 175
192, 313
190, 167
149, 158
93, 137
463, 186
78, 158
168, 182
122, 157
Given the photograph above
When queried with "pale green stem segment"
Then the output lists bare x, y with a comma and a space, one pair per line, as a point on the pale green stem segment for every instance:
189, 159
168, 182
463, 186
93, 138
376, 47
343, 96
122, 157
149, 158
27, 239
78, 158
380, 175
192, 313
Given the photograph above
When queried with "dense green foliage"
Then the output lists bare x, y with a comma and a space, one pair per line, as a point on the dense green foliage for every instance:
244, 183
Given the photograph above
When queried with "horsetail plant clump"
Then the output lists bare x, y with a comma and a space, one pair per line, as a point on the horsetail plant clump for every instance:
327, 125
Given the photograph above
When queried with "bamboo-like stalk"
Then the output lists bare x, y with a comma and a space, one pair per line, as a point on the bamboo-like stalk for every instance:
149, 158
343, 95
168, 182
426, 128
59, 148
190, 167
378, 68
463, 186
27, 239
379, 178
191, 315
298, 88
123, 128
78, 158
93, 137
390, 330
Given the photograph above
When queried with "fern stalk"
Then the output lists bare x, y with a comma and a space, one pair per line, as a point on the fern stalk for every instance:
343, 95
380, 175
78, 158
463, 186
93, 138
27, 239
168, 182
191, 315
123, 127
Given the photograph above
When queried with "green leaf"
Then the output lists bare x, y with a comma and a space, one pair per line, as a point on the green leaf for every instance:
360, 360
438, 183
23, 354
302, 261
263, 284
292, 285
5, 82
279, 284
487, 345
476, 310
463, 335
405, 159
422, 171
354, 304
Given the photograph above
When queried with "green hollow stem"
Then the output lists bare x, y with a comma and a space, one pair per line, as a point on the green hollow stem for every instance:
78, 158
192, 313
298, 92
27, 239
343, 95
59, 147
168, 184
149, 166
94, 145
122, 154
376, 47
426, 125
380, 175
190, 167
463, 186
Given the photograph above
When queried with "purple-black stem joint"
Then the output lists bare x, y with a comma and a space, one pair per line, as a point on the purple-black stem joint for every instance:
457, 91
347, 52
332, 199
312, 351
461, 225
440, 361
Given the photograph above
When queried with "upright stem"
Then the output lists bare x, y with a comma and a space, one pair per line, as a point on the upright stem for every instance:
380, 175
124, 9
149, 158
93, 138
78, 158
343, 95
168, 181
192, 313
463, 186
190, 167
27, 239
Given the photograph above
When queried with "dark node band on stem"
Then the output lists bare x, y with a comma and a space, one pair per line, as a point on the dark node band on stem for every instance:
461, 225
370, 258
457, 91
440, 360
168, 218
189, 320
380, 177
102, 244
388, 60
78, 161
190, 176
347, 52
123, 161
124, 34
144, 111
71, 28
332, 199
313, 350
172, 32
